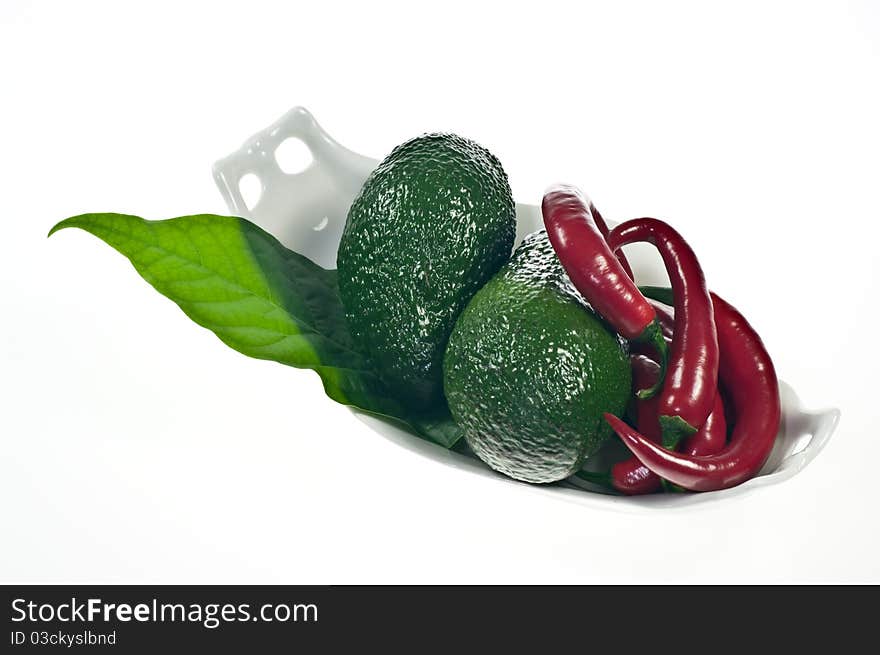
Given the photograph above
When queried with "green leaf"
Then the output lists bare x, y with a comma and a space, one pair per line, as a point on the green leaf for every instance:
259, 298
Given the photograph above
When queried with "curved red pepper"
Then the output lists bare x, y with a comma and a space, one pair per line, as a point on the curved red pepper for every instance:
645, 372
631, 476
596, 273
692, 380
749, 377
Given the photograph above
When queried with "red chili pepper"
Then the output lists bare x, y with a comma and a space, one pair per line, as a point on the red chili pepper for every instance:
630, 476
603, 229
749, 378
692, 381
597, 274
645, 372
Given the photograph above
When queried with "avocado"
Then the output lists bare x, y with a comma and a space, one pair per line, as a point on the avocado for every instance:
530, 369
431, 224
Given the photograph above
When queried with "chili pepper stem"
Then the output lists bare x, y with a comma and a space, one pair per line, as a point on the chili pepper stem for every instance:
674, 429
653, 336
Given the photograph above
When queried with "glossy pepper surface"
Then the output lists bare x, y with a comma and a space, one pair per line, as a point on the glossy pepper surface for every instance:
604, 231
691, 381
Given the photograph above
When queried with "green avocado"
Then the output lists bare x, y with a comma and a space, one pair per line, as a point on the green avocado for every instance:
530, 370
432, 224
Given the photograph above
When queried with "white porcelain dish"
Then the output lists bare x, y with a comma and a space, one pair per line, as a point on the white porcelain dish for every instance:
306, 211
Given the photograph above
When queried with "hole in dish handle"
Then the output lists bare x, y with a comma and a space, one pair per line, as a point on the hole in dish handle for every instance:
250, 190
315, 144
229, 184
293, 155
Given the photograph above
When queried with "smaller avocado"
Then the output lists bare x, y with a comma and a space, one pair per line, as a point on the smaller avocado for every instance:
530, 369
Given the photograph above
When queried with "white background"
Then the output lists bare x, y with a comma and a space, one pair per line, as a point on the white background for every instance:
135, 447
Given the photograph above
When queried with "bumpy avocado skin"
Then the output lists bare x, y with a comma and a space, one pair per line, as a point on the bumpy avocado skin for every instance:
530, 369
430, 226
